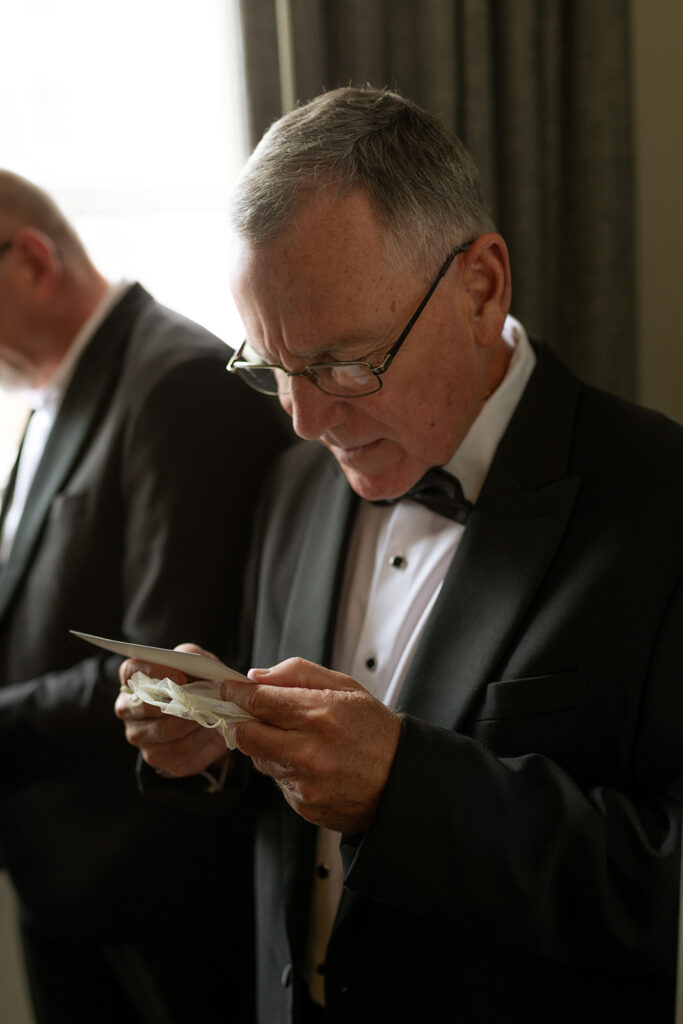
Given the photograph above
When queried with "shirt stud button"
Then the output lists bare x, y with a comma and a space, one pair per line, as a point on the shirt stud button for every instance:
397, 562
371, 663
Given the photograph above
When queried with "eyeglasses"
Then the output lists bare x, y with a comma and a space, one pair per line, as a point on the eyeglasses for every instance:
349, 379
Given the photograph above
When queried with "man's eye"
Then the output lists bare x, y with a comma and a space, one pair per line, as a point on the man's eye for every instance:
349, 375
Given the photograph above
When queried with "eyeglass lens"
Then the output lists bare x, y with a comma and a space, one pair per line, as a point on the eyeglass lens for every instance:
335, 380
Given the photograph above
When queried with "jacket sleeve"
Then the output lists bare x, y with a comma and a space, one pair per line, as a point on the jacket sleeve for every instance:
517, 848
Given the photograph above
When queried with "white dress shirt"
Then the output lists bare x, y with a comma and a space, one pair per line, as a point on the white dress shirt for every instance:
45, 403
398, 559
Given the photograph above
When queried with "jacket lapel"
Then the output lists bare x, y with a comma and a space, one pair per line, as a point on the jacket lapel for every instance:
510, 540
94, 379
308, 627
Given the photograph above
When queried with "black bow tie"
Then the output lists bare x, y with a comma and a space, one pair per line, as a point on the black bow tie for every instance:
440, 492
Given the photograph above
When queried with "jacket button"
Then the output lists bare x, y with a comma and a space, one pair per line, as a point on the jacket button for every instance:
286, 976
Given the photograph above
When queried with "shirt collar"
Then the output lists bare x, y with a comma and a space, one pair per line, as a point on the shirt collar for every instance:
50, 396
472, 461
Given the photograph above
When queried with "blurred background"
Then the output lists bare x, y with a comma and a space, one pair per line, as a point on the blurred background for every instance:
137, 116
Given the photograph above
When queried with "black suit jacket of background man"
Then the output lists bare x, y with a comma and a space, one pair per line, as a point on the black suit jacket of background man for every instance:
523, 863
136, 526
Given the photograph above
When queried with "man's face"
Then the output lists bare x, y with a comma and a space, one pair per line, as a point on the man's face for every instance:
323, 291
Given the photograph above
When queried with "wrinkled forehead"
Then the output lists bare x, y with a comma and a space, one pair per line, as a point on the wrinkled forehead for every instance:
327, 276
327, 234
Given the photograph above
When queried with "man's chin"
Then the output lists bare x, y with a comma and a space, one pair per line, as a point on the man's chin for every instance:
380, 487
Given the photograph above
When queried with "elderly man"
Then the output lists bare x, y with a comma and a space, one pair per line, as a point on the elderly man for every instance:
465, 609
130, 479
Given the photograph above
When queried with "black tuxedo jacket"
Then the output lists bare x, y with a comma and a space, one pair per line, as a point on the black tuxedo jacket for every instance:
135, 526
523, 863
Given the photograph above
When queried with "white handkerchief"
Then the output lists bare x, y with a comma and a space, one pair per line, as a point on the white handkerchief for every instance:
198, 702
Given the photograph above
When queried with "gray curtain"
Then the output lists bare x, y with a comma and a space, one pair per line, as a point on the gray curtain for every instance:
539, 90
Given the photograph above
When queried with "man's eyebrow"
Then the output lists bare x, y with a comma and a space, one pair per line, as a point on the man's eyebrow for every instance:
367, 343
333, 352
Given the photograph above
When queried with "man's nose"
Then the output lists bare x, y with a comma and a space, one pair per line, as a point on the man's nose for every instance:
312, 410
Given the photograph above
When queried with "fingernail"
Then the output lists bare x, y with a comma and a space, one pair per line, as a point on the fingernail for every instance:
257, 673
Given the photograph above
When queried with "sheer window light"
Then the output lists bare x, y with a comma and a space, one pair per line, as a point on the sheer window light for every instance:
131, 116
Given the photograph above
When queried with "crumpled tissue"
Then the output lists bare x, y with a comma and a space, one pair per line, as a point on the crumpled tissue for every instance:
196, 702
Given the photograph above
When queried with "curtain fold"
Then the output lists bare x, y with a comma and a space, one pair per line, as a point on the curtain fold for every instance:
540, 92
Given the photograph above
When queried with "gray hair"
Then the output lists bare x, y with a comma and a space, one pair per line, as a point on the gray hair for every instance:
419, 178
24, 204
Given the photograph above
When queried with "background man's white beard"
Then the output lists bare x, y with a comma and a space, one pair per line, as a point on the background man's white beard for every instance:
14, 378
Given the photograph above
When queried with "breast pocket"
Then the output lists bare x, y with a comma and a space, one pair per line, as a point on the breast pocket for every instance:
535, 715
536, 695
63, 553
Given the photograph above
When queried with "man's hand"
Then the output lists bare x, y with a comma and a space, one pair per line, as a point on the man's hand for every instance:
172, 746
326, 741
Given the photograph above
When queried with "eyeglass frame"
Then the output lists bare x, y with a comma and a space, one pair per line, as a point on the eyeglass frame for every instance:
235, 364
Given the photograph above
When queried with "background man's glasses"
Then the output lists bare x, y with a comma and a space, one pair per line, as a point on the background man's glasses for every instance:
351, 379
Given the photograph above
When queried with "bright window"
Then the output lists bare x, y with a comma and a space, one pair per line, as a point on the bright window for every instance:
131, 116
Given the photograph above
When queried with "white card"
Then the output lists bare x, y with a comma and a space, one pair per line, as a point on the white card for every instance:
198, 666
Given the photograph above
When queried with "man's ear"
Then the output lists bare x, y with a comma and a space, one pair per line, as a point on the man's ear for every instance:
487, 282
39, 266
